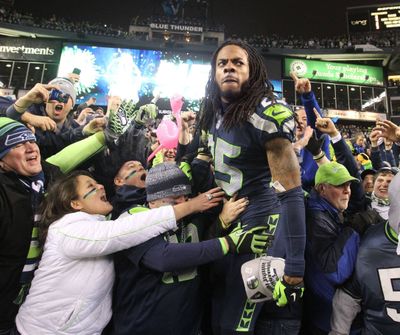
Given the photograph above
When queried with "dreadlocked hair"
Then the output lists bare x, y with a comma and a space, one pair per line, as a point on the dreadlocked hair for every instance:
256, 88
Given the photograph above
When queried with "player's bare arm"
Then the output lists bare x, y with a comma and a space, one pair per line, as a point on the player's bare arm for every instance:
285, 169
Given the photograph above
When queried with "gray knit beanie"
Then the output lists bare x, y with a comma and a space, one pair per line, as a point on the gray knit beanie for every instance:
166, 180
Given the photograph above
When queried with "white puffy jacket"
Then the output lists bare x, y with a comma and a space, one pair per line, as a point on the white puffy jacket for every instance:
72, 288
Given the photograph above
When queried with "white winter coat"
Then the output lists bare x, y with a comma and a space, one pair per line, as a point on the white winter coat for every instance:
71, 290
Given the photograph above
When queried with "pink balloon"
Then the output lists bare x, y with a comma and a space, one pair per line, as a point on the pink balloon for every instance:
167, 134
176, 102
168, 131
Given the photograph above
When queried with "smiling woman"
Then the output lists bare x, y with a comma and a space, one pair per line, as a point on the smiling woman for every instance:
71, 290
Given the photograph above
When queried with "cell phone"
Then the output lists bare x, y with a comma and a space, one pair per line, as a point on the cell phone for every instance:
76, 71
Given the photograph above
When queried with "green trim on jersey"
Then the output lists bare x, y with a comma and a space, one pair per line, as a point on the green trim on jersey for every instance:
186, 169
247, 316
391, 234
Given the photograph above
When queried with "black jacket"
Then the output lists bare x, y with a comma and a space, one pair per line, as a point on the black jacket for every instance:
16, 223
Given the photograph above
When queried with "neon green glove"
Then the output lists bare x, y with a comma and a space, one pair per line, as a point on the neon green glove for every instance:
285, 293
254, 240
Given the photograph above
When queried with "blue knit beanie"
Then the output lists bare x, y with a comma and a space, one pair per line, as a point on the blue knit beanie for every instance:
11, 134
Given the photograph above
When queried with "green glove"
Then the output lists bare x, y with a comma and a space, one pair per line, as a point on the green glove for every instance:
254, 240
285, 293
146, 114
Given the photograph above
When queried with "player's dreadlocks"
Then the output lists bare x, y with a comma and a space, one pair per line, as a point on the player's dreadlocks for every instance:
253, 91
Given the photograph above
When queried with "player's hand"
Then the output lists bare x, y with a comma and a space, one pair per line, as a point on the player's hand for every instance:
285, 293
254, 240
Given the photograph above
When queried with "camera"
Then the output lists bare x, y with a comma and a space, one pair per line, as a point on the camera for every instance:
58, 96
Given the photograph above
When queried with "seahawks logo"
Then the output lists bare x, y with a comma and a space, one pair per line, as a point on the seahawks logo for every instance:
298, 67
19, 137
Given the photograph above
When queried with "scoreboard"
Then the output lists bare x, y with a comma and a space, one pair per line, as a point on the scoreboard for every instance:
373, 18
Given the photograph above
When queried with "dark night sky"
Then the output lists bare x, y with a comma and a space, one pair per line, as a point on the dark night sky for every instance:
241, 17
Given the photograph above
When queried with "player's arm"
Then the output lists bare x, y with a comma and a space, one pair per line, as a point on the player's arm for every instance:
285, 173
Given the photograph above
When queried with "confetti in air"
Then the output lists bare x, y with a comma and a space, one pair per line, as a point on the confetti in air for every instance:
84, 60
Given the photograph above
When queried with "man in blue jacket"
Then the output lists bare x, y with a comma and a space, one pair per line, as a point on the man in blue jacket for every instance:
331, 247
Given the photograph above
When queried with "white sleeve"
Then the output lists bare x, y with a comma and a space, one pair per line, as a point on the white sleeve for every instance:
344, 310
88, 238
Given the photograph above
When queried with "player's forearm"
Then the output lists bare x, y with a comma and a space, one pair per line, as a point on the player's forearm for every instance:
285, 171
294, 228
283, 164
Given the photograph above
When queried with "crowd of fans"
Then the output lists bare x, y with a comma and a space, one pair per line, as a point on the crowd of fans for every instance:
62, 24
383, 39
116, 145
116, 247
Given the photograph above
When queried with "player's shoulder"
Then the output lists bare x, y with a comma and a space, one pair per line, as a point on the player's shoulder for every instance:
378, 235
274, 117
277, 111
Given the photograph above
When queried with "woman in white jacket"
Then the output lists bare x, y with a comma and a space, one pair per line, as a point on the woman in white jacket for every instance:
72, 288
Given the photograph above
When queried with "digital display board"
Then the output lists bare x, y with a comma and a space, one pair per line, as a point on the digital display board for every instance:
133, 73
373, 18
335, 72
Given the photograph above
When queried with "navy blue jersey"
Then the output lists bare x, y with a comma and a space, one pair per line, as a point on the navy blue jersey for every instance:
377, 281
240, 159
241, 166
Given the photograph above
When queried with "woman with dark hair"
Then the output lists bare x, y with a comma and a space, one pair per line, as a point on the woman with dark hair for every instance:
72, 288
